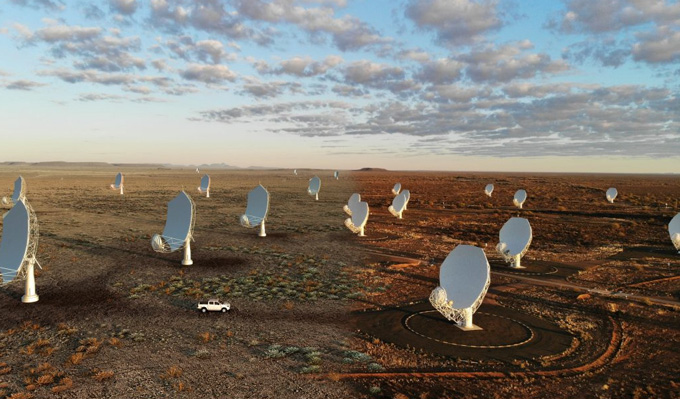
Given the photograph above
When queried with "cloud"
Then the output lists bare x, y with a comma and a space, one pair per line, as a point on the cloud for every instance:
208, 73
347, 32
445, 70
47, 5
607, 51
25, 85
455, 22
125, 7
660, 46
371, 74
524, 119
89, 76
205, 15
613, 15
204, 51
91, 48
301, 66
508, 62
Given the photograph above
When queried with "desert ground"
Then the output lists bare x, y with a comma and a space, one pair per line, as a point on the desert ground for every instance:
318, 312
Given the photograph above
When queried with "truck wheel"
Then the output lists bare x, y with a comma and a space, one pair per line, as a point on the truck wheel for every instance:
224, 310
204, 310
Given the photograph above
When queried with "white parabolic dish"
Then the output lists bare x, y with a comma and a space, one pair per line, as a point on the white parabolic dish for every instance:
359, 218
674, 230
465, 275
353, 200
611, 194
398, 205
179, 222
19, 192
314, 185
205, 183
514, 239
257, 207
118, 181
396, 189
463, 283
520, 197
488, 189
15, 239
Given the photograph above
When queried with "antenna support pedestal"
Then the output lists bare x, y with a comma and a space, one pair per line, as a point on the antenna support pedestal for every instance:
361, 232
516, 263
207, 194
317, 196
187, 254
121, 189
262, 232
466, 323
30, 296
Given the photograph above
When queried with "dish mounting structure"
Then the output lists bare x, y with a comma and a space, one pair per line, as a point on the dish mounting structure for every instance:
488, 189
314, 187
256, 209
674, 231
179, 228
19, 192
118, 183
407, 195
205, 185
611, 194
463, 283
19, 247
514, 239
359, 216
520, 197
336, 174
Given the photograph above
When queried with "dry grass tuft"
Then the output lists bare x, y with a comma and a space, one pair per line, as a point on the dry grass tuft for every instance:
115, 342
172, 372
205, 337
76, 358
21, 395
64, 384
103, 375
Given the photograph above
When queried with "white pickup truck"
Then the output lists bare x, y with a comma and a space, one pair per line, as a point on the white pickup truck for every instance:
213, 305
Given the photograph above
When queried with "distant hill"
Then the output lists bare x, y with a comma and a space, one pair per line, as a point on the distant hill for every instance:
372, 170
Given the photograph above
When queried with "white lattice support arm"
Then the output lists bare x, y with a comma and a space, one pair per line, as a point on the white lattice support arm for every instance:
347, 210
676, 240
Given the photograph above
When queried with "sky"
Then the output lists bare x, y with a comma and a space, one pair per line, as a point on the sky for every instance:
459, 85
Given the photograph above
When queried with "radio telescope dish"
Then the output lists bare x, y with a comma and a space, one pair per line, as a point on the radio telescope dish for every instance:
520, 197
674, 230
359, 218
463, 282
19, 192
118, 183
314, 187
353, 200
179, 228
407, 195
205, 186
18, 247
197, 171
396, 189
295, 172
256, 209
611, 194
488, 189
398, 205
514, 240
336, 174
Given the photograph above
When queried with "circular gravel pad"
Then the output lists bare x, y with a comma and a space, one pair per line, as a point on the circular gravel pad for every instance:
506, 333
